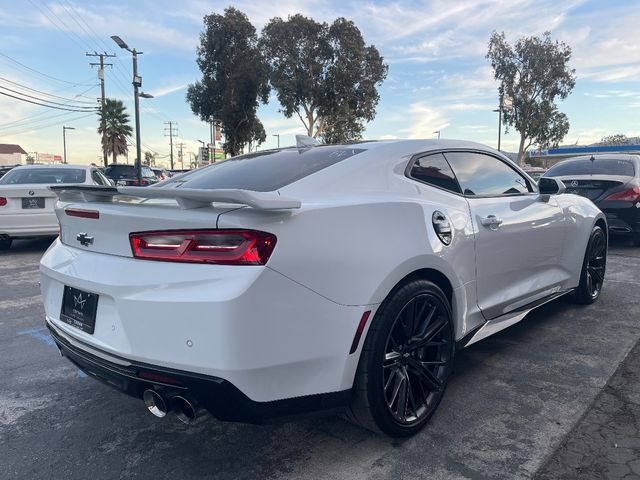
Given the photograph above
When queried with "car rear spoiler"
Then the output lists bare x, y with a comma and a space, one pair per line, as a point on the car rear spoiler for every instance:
187, 198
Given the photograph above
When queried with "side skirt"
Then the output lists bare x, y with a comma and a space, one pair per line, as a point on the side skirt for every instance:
500, 323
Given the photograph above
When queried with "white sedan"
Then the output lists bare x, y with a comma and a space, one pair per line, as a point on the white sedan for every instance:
310, 278
26, 203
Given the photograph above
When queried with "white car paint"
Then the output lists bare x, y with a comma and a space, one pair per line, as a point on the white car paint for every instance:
19, 222
284, 330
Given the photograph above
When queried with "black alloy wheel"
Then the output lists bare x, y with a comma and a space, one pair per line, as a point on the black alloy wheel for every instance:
416, 359
406, 361
593, 268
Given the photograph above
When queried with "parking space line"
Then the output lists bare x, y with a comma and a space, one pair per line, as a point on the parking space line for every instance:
41, 334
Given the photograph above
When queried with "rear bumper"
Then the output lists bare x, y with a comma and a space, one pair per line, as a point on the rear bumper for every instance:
623, 218
218, 396
270, 337
29, 224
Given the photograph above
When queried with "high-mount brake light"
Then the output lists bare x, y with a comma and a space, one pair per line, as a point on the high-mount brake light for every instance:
78, 212
629, 195
222, 247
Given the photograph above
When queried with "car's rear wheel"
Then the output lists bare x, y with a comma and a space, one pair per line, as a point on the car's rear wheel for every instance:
406, 361
593, 268
5, 243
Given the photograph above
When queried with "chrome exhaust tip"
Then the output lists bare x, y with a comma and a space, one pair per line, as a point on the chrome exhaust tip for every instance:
184, 409
155, 403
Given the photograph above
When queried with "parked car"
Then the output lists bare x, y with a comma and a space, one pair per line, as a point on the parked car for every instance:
26, 203
612, 182
319, 277
161, 173
4, 169
535, 172
125, 175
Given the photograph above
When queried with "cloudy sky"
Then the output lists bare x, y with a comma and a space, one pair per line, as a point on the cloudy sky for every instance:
438, 78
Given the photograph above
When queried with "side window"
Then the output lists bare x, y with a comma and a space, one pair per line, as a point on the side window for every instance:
434, 170
105, 180
97, 179
481, 174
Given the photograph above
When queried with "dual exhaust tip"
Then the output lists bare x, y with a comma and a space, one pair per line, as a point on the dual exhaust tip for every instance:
183, 408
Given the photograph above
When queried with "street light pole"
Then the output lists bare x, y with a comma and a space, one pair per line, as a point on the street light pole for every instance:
277, 135
137, 83
438, 132
64, 141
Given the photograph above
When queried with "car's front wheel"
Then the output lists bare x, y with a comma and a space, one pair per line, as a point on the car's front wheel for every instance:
593, 268
406, 361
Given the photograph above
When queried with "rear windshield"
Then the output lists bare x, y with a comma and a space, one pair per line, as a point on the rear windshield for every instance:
44, 175
265, 171
127, 171
593, 167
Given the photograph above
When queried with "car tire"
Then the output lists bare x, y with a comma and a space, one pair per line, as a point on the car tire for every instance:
406, 361
593, 268
5, 243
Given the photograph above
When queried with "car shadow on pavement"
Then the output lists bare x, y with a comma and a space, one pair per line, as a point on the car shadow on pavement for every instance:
30, 245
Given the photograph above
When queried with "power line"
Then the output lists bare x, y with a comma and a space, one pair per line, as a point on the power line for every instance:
66, 120
44, 93
44, 99
77, 22
10, 125
31, 117
44, 74
94, 37
67, 32
41, 104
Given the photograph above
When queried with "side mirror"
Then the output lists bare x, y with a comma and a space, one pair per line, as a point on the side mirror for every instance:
551, 186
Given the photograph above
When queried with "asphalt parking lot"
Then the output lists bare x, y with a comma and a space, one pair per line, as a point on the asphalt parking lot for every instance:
510, 405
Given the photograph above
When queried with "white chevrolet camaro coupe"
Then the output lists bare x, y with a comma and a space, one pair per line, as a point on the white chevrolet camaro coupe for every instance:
312, 278
26, 203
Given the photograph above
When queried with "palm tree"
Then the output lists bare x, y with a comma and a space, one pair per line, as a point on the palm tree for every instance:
114, 127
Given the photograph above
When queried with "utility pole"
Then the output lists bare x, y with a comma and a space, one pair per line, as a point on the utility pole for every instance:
101, 66
64, 142
180, 146
172, 132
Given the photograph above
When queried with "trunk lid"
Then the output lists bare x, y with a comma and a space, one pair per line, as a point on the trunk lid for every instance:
109, 233
593, 187
100, 219
27, 199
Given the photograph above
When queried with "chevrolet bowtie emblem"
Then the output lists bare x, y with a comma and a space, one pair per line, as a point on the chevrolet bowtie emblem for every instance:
84, 239
79, 301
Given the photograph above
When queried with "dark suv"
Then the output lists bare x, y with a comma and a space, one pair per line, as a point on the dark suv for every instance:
612, 182
4, 169
125, 175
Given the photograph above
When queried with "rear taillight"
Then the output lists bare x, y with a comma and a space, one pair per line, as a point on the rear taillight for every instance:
628, 195
222, 247
3, 201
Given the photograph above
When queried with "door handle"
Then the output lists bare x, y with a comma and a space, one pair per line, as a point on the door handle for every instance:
491, 221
